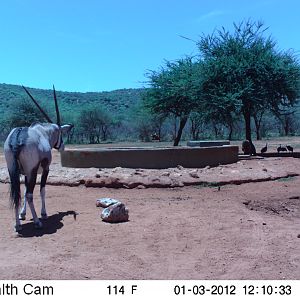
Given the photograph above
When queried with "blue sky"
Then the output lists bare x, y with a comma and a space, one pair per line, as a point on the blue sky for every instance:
104, 45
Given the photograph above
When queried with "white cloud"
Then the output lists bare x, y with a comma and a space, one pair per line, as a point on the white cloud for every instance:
211, 15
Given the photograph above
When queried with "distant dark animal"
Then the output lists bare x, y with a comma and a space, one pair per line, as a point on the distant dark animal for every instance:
155, 137
290, 148
248, 148
264, 149
281, 149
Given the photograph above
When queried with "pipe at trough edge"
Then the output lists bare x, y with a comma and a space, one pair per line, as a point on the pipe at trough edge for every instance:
151, 158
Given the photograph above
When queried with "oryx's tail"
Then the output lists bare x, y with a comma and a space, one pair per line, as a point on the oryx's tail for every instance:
15, 190
15, 142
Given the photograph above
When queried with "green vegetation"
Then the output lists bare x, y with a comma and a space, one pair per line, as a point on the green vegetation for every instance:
245, 74
237, 74
239, 86
111, 109
174, 91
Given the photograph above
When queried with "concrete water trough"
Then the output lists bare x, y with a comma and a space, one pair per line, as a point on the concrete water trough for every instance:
149, 157
214, 143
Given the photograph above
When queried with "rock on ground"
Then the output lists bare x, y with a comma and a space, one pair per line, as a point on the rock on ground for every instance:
252, 170
115, 213
106, 202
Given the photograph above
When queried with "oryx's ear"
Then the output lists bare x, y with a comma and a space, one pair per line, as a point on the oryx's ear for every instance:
66, 128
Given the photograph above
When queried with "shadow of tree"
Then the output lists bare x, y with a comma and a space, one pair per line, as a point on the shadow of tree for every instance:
50, 225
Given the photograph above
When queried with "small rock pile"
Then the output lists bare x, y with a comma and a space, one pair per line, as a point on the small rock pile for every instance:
114, 211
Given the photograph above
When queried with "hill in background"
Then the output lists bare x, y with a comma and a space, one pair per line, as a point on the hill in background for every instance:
117, 102
120, 117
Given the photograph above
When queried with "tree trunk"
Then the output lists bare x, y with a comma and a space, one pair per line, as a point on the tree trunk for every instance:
258, 137
159, 132
159, 127
104, 130
182, 123
247, 117
97, 139
175, 127
216, 130
195, 130
257, 128
230, 126
196, 135
257, 121
286, 126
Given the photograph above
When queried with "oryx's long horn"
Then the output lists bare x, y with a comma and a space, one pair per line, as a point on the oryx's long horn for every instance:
38, 106
56, 107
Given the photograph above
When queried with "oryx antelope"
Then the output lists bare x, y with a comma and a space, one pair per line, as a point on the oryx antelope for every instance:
28, 151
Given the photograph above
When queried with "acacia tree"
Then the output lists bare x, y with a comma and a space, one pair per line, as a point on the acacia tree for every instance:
258, 117
94, 124
197, 121
287, 120
24, 113
173, 91
244, 73
147, 123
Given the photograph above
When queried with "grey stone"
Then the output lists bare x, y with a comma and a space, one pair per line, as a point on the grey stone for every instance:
106, 202
115, 213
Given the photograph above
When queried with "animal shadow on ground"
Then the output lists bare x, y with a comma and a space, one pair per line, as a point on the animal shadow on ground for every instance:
50, 225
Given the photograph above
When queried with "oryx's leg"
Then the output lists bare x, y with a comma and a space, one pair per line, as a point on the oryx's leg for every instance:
18, 226
22, 215
43, 192
29, 197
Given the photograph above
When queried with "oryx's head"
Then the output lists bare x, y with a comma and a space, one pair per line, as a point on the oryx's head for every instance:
56, 140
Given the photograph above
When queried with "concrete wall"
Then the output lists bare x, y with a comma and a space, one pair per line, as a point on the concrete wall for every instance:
149, 158
208, 143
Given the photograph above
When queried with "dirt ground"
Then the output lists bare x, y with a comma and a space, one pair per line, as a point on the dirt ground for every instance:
239, 221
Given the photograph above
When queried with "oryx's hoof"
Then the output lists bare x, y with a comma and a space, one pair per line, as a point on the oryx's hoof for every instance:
44, 216
22, 217
38, 225
18, 228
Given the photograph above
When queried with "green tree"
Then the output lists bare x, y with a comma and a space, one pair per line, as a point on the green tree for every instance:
173, 91
94, 124
24, 113
197, 124
245, 73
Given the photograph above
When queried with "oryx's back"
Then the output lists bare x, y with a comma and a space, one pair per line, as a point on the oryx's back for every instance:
29, 145
16, 140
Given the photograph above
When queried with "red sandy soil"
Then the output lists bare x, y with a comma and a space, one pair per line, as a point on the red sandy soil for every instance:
240, 221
